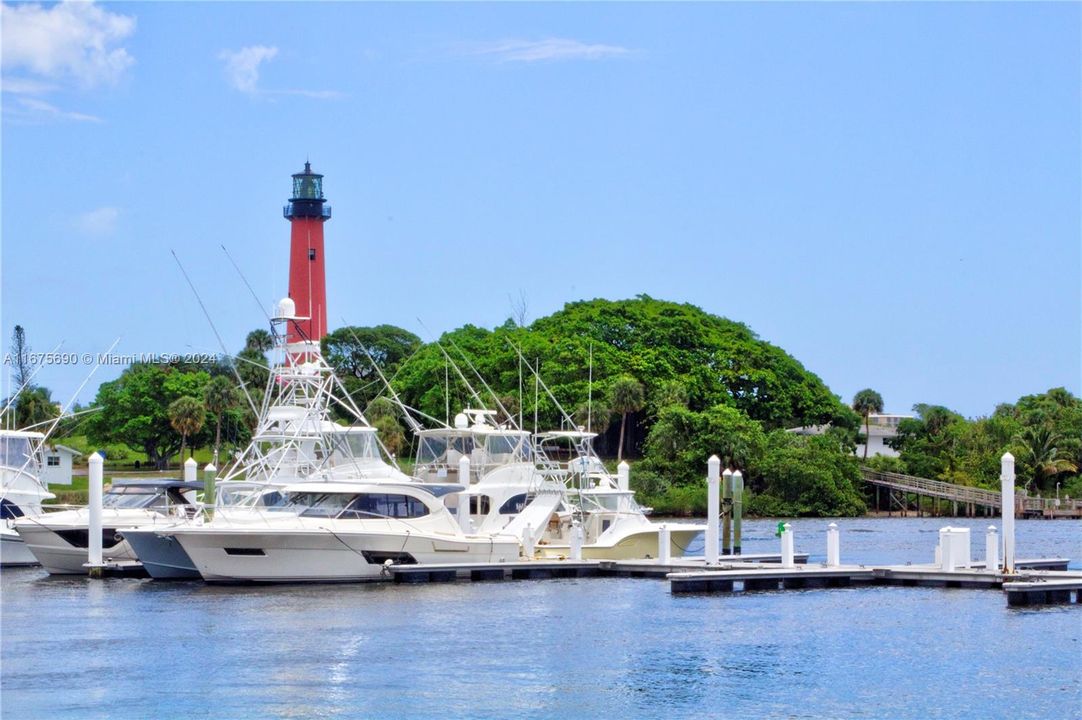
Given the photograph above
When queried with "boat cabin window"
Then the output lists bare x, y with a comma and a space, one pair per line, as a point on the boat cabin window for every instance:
14, 451
127, 497
385, 505
480, 504
514, 504
358, 506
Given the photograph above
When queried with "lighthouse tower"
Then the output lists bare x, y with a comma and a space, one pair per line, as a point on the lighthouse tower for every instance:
306, 213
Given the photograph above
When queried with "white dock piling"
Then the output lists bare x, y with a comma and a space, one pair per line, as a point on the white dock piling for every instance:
623, 476
991, 549
834, 546
713, 481
738, 509
209, 489
94, 530
727, 512
527, 542
1007, 503
663, 546
464, 499
946, 550
787, 547
576, 540
191, 470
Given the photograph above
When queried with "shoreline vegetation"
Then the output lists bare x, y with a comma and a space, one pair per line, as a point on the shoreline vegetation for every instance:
664, 385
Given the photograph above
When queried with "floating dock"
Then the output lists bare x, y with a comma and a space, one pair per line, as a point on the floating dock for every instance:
551, 569
1045, 591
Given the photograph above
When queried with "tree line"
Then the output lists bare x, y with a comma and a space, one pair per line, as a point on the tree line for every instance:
663, 384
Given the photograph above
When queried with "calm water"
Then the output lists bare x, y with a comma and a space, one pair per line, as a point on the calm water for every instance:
613, 648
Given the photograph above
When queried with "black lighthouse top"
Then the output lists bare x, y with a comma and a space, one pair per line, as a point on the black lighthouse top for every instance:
307, 200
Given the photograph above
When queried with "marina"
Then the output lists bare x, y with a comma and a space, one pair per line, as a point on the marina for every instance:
347, 650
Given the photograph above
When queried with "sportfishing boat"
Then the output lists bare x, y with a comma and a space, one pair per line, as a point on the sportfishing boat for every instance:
614, 526
22, 491
59, 540
334, 506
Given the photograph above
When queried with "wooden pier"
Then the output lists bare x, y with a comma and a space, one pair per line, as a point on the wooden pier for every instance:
965, 500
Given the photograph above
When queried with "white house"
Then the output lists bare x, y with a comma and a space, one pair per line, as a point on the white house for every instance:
880, 428
57, 470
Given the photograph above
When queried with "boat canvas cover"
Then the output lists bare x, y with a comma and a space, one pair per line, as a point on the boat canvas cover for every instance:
536, 515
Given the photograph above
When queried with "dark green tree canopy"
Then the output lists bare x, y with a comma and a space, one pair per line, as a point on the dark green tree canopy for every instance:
714, 360
134, 408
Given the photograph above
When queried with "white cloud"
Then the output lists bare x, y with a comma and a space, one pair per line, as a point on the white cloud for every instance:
70, 40
99, 223
543, 50
35, 110
242, 66
242, 70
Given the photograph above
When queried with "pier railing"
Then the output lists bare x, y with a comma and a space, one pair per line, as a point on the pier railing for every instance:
970, 495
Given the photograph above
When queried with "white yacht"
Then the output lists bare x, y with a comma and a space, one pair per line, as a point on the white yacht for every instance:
340, 510
338, 531
59, 540
613, 524
22, 491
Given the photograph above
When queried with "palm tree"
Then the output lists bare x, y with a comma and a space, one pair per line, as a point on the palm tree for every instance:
1041, 452
219, 396
866, 402
34, 406
260, 340
186, 415
625, 397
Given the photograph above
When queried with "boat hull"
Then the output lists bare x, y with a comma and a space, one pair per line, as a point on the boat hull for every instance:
285, 556
162, 556
637, 545
60, 557
13, 551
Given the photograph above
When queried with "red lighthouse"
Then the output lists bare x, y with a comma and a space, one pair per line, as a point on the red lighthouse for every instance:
306, 213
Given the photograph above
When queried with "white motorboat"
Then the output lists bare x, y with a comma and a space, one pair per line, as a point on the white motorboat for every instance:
344, 510
338, 531
59, 540
22, 491
614, 526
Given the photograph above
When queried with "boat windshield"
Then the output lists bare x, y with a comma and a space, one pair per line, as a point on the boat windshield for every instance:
440, 450
134, 497
354, 446
15, 451
500, 449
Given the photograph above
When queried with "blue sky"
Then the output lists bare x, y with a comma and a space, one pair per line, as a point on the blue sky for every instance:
890, 192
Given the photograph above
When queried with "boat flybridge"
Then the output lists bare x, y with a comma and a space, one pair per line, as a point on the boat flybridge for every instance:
546, 486
507, 490
22, 491
321, 502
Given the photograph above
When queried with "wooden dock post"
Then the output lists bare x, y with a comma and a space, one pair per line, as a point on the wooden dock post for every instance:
787, 546
95, 474
738, 508
726, 511
991, 549
713, 477
464, 522
834, 550
1006, 478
